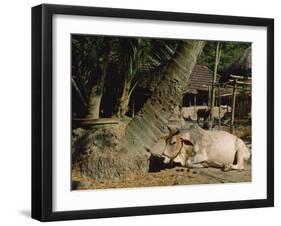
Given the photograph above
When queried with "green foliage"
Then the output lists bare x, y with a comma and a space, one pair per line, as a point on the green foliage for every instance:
85, 55
136, 55
130, 56
230, 51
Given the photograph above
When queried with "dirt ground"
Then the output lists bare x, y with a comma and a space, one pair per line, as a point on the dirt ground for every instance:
166, 177
169, 176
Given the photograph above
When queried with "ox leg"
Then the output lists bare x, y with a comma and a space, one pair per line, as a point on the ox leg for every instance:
198, 161
233, 167
239, 165
197, 165
216, 164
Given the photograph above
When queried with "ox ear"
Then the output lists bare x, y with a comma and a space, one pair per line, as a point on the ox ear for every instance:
173, 130
187, 142
170, 129
163, 137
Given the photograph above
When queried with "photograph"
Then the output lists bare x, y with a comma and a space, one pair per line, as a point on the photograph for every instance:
149, 111
141, 112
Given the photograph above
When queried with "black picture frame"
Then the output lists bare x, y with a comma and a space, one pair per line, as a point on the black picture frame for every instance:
42, 111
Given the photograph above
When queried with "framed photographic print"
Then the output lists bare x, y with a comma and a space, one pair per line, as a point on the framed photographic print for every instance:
145, 112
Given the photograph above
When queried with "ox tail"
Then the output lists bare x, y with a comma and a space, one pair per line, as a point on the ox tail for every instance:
242, 147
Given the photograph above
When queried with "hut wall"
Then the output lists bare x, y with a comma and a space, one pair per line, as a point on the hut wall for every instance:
243, 107
189, 100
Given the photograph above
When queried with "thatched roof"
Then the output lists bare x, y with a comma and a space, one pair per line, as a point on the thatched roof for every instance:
200, 78
242, 66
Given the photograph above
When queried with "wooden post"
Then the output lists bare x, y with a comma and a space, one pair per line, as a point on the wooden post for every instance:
238, 117
218, 53
209, 96
194, 100
219, 100
233, 106
133, 109
228, 103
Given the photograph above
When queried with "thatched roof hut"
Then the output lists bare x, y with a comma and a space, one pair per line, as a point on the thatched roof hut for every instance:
198, 85
200, 79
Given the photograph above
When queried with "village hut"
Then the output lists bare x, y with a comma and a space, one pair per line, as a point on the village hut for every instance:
198, 86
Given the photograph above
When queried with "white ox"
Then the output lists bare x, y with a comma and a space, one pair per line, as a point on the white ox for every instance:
197, 148
190, 113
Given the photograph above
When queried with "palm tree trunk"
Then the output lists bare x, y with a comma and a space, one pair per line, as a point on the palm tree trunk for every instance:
123, 102
146, 128
97, 92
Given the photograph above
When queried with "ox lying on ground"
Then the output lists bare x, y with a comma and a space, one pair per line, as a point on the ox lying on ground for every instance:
197, 148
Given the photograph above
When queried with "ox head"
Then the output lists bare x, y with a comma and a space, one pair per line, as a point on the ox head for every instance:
177, 147
225, 108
